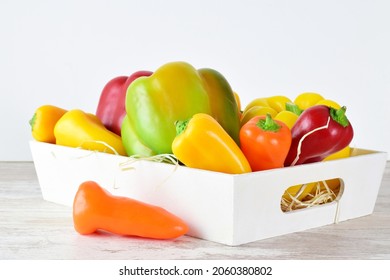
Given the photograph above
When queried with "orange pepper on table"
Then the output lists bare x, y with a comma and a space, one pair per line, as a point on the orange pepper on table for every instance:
96, 209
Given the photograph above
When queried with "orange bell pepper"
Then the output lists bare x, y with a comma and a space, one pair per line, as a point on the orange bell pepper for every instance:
202, 143
96, 209
265, 142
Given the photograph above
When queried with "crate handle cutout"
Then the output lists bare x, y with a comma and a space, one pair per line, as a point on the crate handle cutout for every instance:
312, 194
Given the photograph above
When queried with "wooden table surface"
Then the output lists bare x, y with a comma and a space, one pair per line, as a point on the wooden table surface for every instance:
31, 228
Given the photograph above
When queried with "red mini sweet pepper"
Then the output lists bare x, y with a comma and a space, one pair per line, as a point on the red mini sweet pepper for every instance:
111, 108
319, 132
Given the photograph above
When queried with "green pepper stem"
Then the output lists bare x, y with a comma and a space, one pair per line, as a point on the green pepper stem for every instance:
32, 121
338, 115
181, 126
268, 124
293, 108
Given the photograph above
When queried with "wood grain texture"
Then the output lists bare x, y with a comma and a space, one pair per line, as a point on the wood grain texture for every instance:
31, 228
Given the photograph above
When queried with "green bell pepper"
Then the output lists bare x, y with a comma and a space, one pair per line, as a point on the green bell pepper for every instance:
175, 92
153, 104
131, 141
222, 101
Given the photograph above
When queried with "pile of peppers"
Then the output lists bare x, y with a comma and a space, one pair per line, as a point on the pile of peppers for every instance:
195, 115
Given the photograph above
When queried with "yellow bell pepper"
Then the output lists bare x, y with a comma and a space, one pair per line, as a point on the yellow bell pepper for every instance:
301, 191
344, 153
202, 143
81, 130
287, 117
334, 184
278, 102
263, 105
290, 115
307, 99
329, 103
256, 111
298, 192
261, 101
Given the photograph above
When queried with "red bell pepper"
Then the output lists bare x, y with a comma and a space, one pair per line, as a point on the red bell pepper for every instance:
319, 132
111, 108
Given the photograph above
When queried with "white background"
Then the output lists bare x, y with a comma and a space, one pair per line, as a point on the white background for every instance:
63, 53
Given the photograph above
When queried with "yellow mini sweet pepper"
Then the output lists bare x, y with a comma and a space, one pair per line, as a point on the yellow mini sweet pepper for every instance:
82, 130
202, 143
